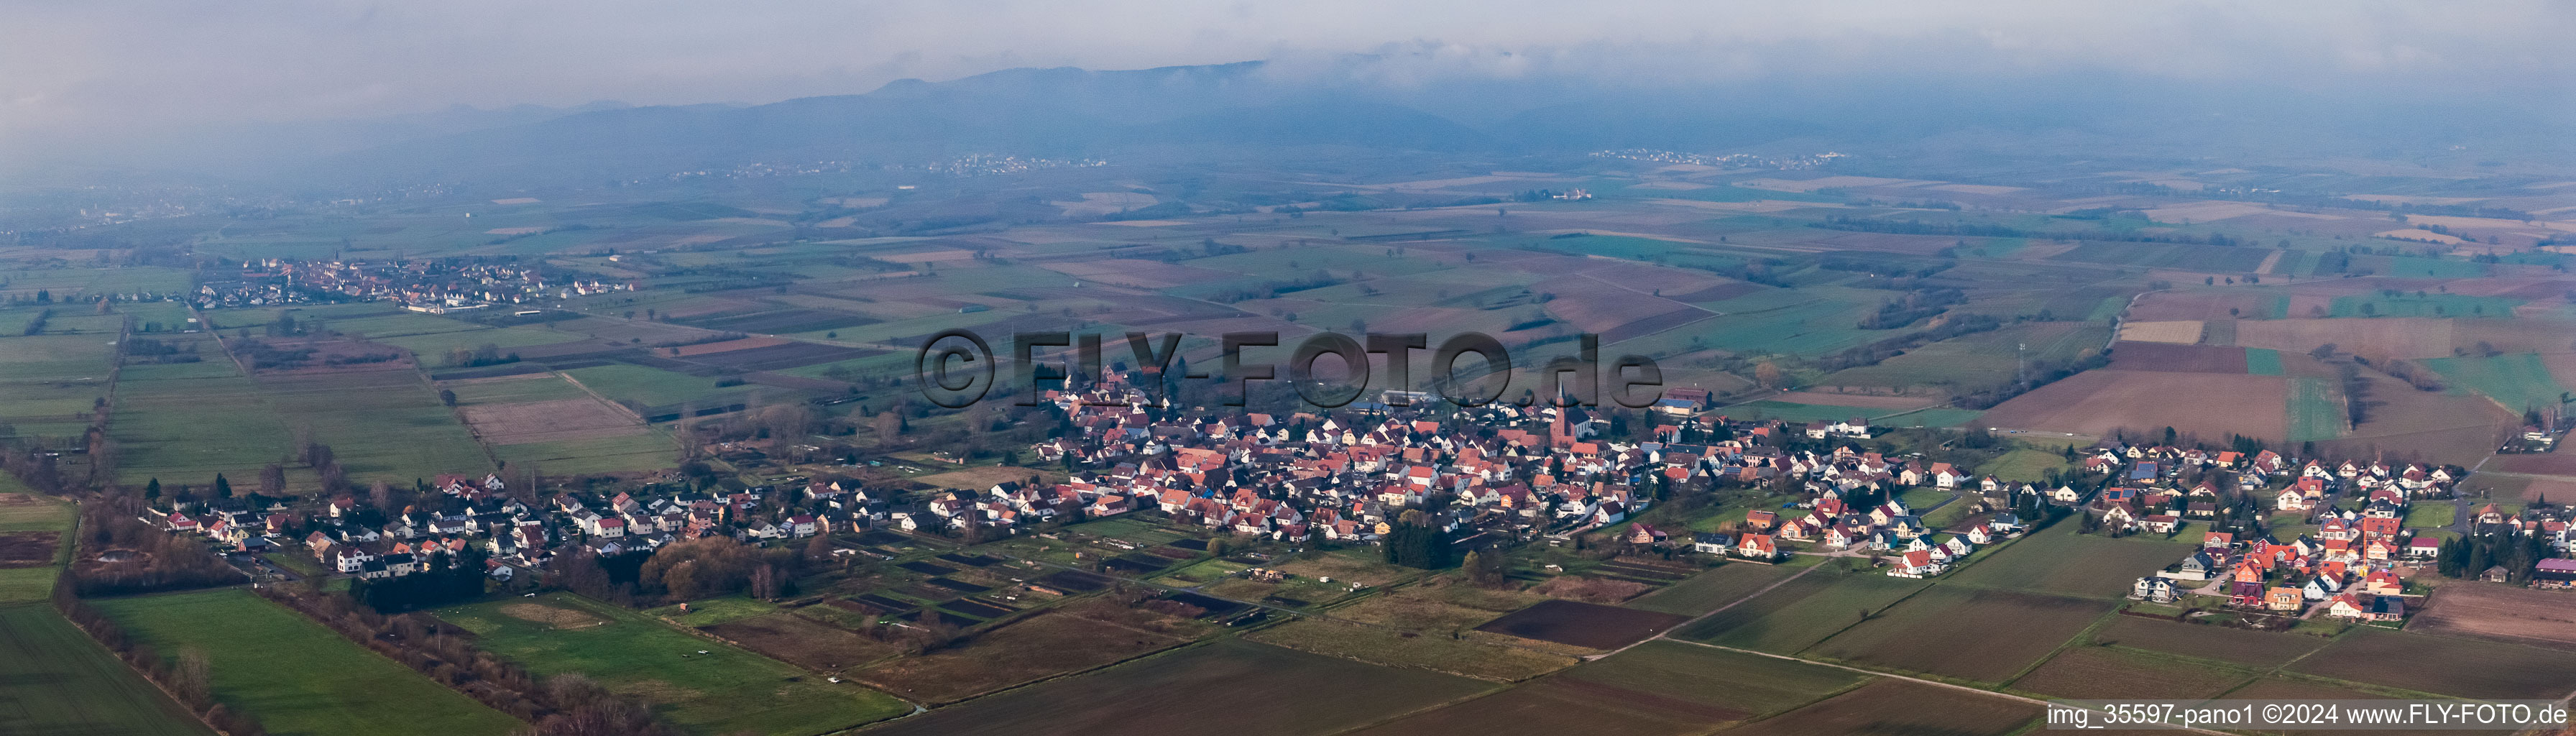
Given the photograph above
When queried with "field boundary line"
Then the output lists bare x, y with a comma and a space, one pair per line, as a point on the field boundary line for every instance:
594, 395
168, 699
1667, 632
1910, 678
491, 452
2283, 670
1319, 614
2070, 643
920, 708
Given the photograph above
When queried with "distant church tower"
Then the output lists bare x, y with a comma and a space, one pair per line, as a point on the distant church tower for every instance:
1568, 427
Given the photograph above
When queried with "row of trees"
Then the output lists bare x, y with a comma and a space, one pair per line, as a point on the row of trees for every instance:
186, 678
565, 705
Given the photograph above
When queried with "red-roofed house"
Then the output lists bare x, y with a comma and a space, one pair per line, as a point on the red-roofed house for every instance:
1915, 565
1757, 547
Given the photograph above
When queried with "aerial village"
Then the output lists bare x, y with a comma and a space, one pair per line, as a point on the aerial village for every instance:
435, 286
1496, 477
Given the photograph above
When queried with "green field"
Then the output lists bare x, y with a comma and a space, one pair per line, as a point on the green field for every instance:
2262, 362
185, 430
2111, 672
1923, 634
714, 611
2519, 381
2059, 561
643, 386
381, 424
1973, 362
1706, 591
434, 347
55, 680
69, 283
2431, 515
1802, 612
2024, 465
55, 357
724, 691
2202, 258
42, 514
294, 675
2258, 649
1785, 321
2314, 414
538, 387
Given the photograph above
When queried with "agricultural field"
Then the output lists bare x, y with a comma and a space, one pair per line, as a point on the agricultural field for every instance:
2095, 672
2517, 381
51, 384
1975, 362
58, 681
2515, 615
615, 454
2097, 403
70, 284
808, 292
1563, 705
2058, 561
35, 542
55, 357
1656, 688
1468, 656
2253, 649
295, 676
1923, 633
1713, 677
2430, 305
2465, 668
2025, 465
2263, 362
2390, 337
545, 420
188, 429
1790, 412
2181, 358
1587, 625
637, 386
1802, 612
1032, 648
1707, 591
719, 691
802, 641
382, 424
1227, 685
1899, 707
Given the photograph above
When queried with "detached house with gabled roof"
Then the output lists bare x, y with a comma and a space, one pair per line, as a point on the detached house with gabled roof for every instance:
1757, 547
1916, 565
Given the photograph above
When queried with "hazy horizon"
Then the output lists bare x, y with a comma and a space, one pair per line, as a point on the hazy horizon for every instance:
93, 79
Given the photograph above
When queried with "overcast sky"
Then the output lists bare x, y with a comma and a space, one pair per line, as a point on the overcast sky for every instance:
113, 65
